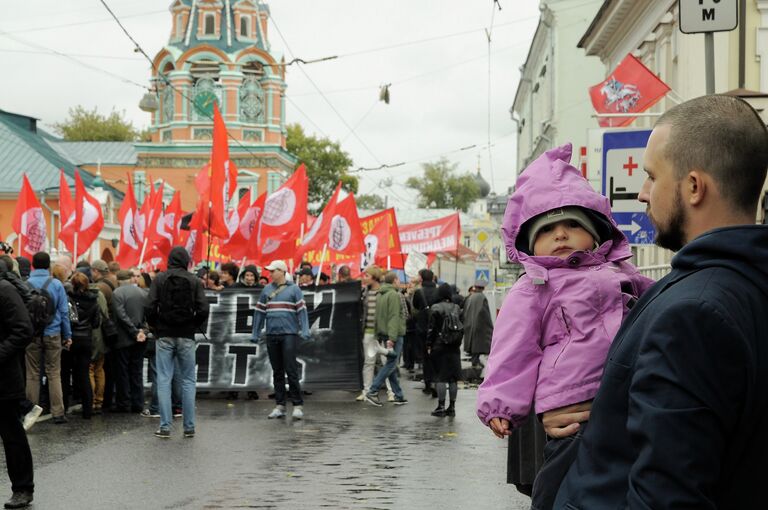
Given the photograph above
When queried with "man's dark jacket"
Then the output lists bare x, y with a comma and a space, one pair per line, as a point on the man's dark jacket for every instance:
129, 304
681, 414
423, 298
178, 261
15, 335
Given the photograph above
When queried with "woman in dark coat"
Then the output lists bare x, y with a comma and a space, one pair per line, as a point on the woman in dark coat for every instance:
446, 359
88, 319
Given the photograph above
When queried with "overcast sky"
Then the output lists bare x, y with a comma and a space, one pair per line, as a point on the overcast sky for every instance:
439, 93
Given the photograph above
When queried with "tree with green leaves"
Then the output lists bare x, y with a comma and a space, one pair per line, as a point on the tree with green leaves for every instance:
370, 202
91, 126
326, 162
441, 188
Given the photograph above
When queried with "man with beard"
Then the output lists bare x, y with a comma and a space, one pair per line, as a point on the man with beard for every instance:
682, 408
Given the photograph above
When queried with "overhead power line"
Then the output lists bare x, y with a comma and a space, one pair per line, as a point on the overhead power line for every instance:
79, 23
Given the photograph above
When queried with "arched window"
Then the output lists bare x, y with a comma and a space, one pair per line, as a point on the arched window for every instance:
244, 26
210, 24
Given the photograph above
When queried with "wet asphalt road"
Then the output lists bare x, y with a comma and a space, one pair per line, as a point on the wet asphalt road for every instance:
344, 454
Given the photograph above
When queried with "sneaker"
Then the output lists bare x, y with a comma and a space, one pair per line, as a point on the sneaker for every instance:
390, 397
163, 433
298, 412
189, 433
146, 413
400, 401
31, 417
19, 499
59, 420
361, 396
177, 412
277, 412
373, 399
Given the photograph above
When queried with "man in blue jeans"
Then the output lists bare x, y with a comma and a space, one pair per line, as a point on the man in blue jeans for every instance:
177, 309
281, 310
389, 325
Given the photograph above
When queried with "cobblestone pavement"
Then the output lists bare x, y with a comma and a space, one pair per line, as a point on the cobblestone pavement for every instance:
344, 454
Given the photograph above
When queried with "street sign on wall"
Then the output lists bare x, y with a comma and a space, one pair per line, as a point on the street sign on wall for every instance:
623, 178
699, 16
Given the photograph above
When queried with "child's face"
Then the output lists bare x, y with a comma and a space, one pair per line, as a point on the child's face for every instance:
561, 239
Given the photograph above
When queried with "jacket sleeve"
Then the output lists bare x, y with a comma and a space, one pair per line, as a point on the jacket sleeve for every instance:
435, 325
202, 308
685, 396
121, 315
150, 311
393, 315
260, 313
63, 311
301, 312
17, 325
513, 365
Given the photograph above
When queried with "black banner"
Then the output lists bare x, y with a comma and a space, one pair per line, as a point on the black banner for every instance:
330, 359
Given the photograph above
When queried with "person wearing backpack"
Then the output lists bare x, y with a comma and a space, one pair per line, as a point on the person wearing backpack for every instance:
15, 336
444, 336
177, 310
88, 320
56, 335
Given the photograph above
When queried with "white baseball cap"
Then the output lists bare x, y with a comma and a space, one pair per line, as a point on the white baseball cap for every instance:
277, 264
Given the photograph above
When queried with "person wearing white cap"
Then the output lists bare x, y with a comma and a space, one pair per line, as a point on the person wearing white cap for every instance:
282, 313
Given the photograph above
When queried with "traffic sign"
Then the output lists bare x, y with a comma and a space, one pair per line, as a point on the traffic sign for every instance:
700, 16
483, 275
623, 178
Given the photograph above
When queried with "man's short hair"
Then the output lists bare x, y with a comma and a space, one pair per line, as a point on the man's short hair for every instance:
41, 260
390, 277
114, 267
426, 275
724, 137
231, 268
83, 263
344, 272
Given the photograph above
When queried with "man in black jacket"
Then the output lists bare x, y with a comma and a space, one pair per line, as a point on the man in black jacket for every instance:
15, 335
177, 309
423, 298
680, 417
129, 302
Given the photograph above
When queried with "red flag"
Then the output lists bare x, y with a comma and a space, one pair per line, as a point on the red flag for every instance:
223, 177
434, 236
285, 210
317, 236
234, 246
131, 229
89, 219
156, 225
172, 218
382, 240
345, 237
631, 88
66, 211
28, 221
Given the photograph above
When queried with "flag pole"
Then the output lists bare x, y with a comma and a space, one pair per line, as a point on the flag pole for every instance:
21, 238
143, 251
320, 269
389, 262
74, 255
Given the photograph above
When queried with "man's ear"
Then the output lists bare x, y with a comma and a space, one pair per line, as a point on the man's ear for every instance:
695, 187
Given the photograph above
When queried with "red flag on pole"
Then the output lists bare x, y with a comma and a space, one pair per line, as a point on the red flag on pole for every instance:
28, 221
66, 211
131, 229
89, 220
345, 237
317, 236
285, 210
223, 177
235, 245
382, 240
172, 218
630, 88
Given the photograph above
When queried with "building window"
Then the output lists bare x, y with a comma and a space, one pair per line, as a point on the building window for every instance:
210, 24
179, 26
274, 180
244, 26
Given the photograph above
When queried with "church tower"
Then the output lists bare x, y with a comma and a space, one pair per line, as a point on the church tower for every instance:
218, 52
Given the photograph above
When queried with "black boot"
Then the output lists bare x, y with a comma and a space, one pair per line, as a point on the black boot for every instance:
440, 411
451, 411
19, 499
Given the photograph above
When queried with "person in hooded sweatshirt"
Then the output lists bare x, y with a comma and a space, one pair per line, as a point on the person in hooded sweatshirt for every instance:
556, 324
248, 277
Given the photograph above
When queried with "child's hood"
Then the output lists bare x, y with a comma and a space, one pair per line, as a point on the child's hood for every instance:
548, 183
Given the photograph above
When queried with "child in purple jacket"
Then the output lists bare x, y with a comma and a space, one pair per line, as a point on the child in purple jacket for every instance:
553, 332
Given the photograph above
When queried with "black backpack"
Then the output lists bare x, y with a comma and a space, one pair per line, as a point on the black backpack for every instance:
452, 332
177, 300
41, 308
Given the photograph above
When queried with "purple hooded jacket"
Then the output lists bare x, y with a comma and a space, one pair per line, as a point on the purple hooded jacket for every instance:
554, 329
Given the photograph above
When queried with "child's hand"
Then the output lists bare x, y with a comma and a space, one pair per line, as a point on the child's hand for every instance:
565, 421
500, 427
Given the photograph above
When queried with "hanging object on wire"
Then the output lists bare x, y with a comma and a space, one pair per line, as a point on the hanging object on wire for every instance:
384, 93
